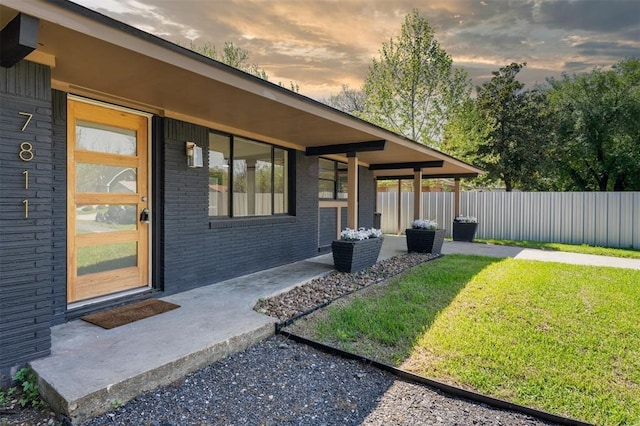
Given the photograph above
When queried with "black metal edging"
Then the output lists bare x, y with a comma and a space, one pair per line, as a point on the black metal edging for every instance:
448, 389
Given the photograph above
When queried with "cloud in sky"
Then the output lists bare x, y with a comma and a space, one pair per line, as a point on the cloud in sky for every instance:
322, 44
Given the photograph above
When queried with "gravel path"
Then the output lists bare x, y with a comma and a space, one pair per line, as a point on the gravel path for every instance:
280, 382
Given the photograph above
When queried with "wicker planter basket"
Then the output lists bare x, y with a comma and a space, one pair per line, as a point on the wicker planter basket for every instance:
425, 240
354, 256
464, 231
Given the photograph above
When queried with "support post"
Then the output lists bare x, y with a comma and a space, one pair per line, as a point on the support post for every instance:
417, 193
456, 206
352, 184
399, 207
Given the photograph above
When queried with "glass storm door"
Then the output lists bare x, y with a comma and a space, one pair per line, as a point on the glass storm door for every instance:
107, 199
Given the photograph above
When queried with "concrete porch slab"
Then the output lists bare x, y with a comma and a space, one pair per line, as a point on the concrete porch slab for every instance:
91, 370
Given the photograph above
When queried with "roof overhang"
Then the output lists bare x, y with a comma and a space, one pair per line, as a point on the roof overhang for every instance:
19, 38
93, 55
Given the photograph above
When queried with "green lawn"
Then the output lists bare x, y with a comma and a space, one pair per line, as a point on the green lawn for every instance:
561, 338
574, 248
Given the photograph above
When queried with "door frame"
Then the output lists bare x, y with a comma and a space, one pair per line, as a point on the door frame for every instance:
150, 202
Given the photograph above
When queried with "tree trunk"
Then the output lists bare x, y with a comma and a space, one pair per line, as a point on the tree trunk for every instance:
508, 187
603, 182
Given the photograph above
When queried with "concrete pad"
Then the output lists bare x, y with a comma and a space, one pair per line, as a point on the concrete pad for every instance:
92, 370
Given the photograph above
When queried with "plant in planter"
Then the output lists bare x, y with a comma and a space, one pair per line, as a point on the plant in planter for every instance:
425, 237
356, 249
464, 228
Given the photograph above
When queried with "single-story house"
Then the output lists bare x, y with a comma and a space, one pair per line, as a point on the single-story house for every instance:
132, 167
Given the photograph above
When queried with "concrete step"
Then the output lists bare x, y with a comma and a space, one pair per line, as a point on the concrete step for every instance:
84, 391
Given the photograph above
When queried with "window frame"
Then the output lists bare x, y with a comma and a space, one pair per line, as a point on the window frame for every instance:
288, 181
337, 171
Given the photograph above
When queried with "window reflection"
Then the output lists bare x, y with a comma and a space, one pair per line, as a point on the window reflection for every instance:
219, 157
332, 180
105, 218
108, 139
280, 198
250, 175
251, 178
106, 257
103, 178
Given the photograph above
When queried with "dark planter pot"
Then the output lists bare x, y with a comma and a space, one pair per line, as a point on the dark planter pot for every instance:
464, 231
354, 256
425, 240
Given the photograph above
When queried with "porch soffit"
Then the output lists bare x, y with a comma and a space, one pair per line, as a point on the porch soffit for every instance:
99, 55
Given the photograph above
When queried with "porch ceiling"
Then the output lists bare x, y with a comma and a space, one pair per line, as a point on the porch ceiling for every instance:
93, 55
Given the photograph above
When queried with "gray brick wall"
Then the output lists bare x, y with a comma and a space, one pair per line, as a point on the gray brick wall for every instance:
366, 197
59, 207
327, 227
185, 209
199, 250
25, 242
343, 218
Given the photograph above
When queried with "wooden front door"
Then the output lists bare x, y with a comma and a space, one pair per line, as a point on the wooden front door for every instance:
107, 197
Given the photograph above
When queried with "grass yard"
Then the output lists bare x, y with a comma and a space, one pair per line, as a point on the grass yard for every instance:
574, 248
561, 338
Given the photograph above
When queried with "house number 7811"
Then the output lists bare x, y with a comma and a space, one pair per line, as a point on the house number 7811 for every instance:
26, 154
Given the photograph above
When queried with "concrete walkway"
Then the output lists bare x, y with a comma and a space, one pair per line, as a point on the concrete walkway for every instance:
92, 370
451, 247
394, 245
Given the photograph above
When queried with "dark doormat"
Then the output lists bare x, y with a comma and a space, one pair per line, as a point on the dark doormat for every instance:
129, 313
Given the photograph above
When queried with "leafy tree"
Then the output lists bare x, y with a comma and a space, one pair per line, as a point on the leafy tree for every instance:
464, 133
349, 100
231, 55
512, 143
597, 143
236, 57
505, 130
413, 88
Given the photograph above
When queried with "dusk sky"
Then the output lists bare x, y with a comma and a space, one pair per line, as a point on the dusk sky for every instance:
322, 44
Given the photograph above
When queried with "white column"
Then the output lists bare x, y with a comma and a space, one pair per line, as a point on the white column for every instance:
352, 184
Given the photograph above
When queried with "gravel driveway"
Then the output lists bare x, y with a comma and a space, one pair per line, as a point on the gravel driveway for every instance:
281, 382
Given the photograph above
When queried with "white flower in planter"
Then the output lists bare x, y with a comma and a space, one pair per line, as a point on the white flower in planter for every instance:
424, 224
466, 219
360, 234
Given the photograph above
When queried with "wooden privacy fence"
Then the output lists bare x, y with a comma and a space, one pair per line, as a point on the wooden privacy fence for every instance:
609, 219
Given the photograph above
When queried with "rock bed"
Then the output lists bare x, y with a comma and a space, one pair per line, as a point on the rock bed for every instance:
280, 382
334, 285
